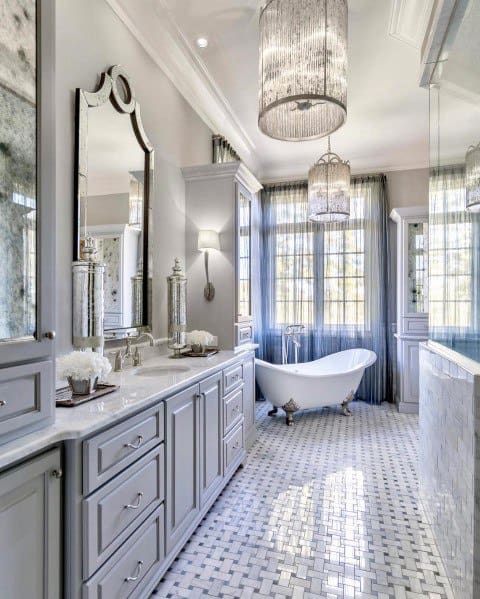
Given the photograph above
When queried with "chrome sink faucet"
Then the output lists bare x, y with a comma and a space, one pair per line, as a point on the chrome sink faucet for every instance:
134, 356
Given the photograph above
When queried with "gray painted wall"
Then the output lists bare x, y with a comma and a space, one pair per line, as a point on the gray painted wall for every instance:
90, 38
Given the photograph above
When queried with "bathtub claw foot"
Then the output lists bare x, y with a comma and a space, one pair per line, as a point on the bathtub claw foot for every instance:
345, 409
290, 408
273, 411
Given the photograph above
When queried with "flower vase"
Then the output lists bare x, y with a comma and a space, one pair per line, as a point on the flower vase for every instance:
83, 386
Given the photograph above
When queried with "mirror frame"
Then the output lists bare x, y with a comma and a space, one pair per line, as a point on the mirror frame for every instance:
109, 90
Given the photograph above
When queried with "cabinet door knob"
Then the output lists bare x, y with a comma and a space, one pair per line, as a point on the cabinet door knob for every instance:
57, 473
3, 402
50, 335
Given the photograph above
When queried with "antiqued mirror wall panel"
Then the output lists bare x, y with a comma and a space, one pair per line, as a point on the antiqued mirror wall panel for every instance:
18, 169
113, 186
27, 215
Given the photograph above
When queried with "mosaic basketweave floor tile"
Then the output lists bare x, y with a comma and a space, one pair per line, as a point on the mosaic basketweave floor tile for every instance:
327, 508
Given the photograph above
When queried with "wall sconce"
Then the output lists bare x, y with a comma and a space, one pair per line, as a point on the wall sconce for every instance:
208, 240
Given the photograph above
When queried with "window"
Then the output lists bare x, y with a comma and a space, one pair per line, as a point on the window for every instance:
450, 260
344, 270
341, 273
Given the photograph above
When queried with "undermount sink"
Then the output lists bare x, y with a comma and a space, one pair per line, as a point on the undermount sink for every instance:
161, 370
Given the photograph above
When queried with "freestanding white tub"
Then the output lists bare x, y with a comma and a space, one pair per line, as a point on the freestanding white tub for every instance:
331, 380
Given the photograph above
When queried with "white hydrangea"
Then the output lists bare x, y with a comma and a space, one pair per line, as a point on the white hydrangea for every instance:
200, 338
81, 365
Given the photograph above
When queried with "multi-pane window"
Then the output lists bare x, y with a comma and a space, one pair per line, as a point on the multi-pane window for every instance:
294, 278
450, 276
344, 269
319, 271
450, 254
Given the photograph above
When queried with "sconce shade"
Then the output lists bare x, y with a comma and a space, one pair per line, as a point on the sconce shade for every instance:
208, 240
472, 178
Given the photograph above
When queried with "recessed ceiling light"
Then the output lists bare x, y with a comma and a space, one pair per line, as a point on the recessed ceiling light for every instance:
202, 42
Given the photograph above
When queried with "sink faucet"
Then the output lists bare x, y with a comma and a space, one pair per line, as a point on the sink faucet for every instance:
135, 357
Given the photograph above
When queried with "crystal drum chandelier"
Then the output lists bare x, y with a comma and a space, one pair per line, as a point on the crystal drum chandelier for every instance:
303, 68
472, 178
329, 189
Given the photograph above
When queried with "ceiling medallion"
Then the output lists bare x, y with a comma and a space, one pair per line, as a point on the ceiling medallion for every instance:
329, 189
303, 68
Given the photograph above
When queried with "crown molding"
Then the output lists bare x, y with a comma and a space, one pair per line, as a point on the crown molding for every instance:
222, 171
409, 20
174, 55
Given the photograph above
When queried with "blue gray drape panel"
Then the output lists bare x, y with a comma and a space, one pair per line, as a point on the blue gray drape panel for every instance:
333, 278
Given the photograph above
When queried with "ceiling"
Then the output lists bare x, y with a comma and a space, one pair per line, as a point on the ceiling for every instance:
387, 123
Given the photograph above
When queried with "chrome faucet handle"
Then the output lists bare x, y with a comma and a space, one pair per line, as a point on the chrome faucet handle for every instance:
118, 361
137, 357
128, 350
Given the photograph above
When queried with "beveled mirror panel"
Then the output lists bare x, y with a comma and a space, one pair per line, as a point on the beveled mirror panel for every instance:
244, 292
114, 181
18, 166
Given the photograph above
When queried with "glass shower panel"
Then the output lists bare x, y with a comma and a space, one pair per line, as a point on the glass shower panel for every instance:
454, 231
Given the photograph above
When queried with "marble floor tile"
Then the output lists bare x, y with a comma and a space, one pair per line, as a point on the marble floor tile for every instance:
327, 508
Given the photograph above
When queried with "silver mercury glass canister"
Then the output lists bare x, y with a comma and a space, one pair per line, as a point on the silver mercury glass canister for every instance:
88, 300
177, 310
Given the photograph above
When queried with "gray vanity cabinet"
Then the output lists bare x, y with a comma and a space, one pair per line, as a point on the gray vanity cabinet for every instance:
30, 529
182, 416
211, 436
249, 401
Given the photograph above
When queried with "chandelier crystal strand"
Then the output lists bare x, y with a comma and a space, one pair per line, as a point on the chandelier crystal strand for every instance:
303, 68
472, 178
329, 189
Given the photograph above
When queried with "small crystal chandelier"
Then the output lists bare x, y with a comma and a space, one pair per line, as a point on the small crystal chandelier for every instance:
303, 68
329, 189
472, 178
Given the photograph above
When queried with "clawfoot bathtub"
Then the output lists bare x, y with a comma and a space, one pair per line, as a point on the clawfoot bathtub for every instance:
331, 380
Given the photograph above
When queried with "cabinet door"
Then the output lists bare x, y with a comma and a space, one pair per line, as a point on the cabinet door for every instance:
211, 471
249, 400
183, 464
30, 529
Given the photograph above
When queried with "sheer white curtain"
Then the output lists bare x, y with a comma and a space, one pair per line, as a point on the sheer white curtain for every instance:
332, 278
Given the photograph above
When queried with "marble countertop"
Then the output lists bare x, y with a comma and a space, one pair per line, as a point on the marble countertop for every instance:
136, 393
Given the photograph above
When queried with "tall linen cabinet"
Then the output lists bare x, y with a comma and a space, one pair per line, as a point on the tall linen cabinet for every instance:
219, 197
412, 301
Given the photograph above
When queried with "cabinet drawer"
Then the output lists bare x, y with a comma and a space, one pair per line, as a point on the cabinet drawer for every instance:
139, 557
24, 396
232, 378
233, 410
416, 325
234, 447
244, 333
113, 512
113, 450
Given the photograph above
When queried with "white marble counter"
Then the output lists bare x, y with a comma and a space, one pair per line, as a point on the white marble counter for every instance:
136, 393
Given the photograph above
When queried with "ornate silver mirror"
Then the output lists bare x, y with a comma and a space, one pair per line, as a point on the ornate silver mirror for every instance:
114, 176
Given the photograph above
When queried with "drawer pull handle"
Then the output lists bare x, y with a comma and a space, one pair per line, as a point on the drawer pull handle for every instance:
2, 403
137, 446
131, 506
57, 473
236, 445
137, 573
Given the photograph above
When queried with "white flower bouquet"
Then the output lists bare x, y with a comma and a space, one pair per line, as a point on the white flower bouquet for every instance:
83, 370
199, 340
